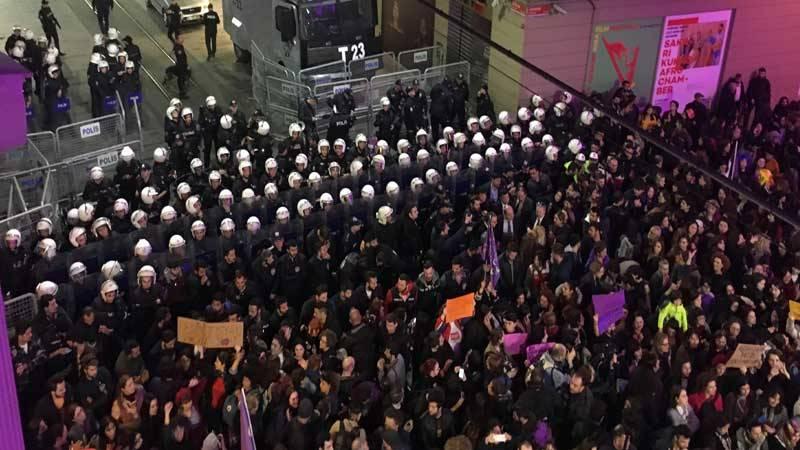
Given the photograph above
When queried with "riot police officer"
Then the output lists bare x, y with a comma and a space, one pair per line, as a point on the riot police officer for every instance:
209, 123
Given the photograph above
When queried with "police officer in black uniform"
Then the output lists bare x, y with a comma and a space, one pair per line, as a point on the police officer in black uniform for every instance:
460, 98
103, 9
211, 20
50, 25
341, 119
181, 67
173, 16
209, 123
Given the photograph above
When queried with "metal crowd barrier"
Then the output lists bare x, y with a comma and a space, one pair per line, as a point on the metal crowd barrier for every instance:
20, 308
421, 58
74, 139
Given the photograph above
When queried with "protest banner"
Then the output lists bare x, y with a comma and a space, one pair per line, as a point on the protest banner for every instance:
535, 351
459, 307
210, 335
513, 342
746, 355
609, 309
794, 310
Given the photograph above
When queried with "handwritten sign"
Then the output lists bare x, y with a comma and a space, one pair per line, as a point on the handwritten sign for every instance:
794, 310
746, 355
513, 342
460, 307
210, 335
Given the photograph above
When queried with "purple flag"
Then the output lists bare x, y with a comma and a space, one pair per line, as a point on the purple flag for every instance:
248, 441
609, 309
10, 425
490, 256
513, 342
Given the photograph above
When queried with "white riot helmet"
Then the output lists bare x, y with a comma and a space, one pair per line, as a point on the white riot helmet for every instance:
505, 147
432, 176
295, 128
382, 147
271, 163
242, 155
460, 138
535, 127
73, 217
402, 145
86, 212
176, 102
176, 241
142, 248
245, 165
575, 146
99, 223
536, 100
421, 133
442, 143
539, 114
108, 287
196, 164
559, 109
378, 161
47, 248
97, 39
368, 192
491, 153
214, 176
149, 195
187, 112
516, 129
113, 50
472, 121
44, 224
485, 122
423, 155
127, 154
346, 196
551, 153
46, 288
314, 178
226, 195
360, 137
384, 214
51, 71
77, 269
223, 154
403, 160
301, 159
13, 235
504, 118
356, 166
96, 173
211, 101
282, 213
587, 118
122, 54
478, 140
392, 188
294, 180
323, 143
227, 225
339, 144
499, 134
547, 140
263, 128
113, 34
184, 188
448, 132
95, 58
325, 199
75, 234
170, 110
253, 224
130, 65
197, 227
193, 205
111, 269
303, 207
451, 168
145, 271
168, 214
527, 143
226, 122
417, 184
524, 114
475, 161
139, 219
160, 155
385, 101
270, 190
248, 195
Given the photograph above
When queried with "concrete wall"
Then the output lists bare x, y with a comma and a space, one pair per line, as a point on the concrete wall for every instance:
507, 31
765, 33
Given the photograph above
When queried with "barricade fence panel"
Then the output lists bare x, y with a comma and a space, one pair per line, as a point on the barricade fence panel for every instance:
283, 101
25, 221
374, 65
263, 67
421, 58
324, 73
22, 308
39, 150
22, 191
360, 91
78, 138
70, 177
380, 84
435, 75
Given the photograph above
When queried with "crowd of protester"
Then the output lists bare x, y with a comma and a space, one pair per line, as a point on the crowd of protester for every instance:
338, 258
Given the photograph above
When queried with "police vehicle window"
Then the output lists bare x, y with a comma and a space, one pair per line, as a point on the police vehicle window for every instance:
330, 18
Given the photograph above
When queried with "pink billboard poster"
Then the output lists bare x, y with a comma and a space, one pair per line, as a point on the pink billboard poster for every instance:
690, 57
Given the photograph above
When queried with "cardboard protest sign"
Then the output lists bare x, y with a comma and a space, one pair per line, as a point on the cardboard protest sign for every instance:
460, 307
535, 351
746, 355
210, 335
794, 310
609, 309
513, 342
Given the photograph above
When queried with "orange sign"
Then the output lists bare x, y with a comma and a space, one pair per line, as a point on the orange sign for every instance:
460, 307
210, 335
794, 310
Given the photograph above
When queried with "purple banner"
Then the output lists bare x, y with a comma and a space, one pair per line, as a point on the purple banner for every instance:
248, 441
533, 352
609, 309
13, 119
10, 426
